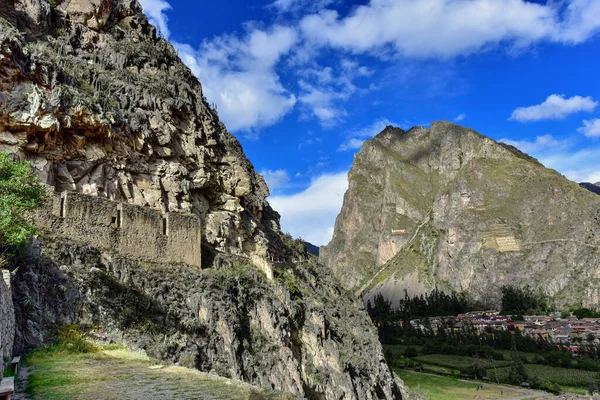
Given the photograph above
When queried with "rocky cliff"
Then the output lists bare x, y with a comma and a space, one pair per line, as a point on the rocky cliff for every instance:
101, 106
449, 208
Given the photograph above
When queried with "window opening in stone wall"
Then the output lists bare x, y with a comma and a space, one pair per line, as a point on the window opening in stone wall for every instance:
63, 207
119, 218
165, 226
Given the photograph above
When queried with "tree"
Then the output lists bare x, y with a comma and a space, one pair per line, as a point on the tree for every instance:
410, 352
516, 300
592, 386
517, 373
585, 313
20, 192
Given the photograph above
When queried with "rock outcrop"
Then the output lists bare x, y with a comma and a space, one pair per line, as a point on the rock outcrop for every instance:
299, 333
449, 208
100, 106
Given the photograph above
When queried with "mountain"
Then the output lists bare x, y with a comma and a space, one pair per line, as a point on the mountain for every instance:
448, 208
106, 112
312, 249
592, 187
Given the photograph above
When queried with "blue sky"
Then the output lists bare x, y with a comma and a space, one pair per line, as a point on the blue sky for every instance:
302, 83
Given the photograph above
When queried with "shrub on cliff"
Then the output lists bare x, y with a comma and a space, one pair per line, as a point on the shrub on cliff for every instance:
20, 192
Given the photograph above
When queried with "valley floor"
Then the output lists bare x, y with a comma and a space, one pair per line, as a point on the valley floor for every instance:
435, 387
119, 373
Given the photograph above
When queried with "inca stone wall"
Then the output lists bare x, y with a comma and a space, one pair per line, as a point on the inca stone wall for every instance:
137, 232
7, 318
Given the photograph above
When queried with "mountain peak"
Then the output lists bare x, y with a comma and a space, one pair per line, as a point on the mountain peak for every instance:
447, 207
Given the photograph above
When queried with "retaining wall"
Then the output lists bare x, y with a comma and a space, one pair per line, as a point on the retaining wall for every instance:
136, 232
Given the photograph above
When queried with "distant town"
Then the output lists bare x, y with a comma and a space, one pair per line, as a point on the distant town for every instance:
570, 331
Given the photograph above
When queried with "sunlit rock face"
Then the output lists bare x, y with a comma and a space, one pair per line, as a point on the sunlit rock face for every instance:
449, 208
99, 105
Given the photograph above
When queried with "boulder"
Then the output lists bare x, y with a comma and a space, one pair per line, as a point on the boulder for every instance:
90, 13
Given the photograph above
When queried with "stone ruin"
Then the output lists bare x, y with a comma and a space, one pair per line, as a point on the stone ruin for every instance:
137, 232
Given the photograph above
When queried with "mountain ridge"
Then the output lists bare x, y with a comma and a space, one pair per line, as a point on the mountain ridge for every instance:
447, 207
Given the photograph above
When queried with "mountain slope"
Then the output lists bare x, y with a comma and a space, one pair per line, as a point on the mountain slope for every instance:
99, 105
447, 207
592, 187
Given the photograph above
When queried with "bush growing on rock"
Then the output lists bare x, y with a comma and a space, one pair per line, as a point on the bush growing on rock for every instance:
20, 192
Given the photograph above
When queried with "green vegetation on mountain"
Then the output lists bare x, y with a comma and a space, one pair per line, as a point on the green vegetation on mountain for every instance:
20, 192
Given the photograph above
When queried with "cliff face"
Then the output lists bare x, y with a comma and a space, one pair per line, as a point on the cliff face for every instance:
99, 105
299, 333
447, 207
102, 107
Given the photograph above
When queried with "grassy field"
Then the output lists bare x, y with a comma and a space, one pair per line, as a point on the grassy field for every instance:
62, 373
562, 376
444, 388
572, 380
398, 349
528, 356
460, 363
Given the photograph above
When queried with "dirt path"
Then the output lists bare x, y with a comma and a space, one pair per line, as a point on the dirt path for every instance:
522, 393
21, 383
112, 374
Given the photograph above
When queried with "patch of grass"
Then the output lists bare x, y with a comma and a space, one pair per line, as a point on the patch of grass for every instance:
446, 388
460, 363
399, 349
561, 376
530, 357
88, 372
9, 371
577, 390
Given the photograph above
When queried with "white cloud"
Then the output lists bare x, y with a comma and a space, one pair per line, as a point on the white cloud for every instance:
311, 214
323, 89
460, 117
448, 28
539, 144
554, 107
241, 73
155, 11
356, 138
291, 6
322, 103
351, 144
579, 165
590, 128
238, 74
275, 179
581, 21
